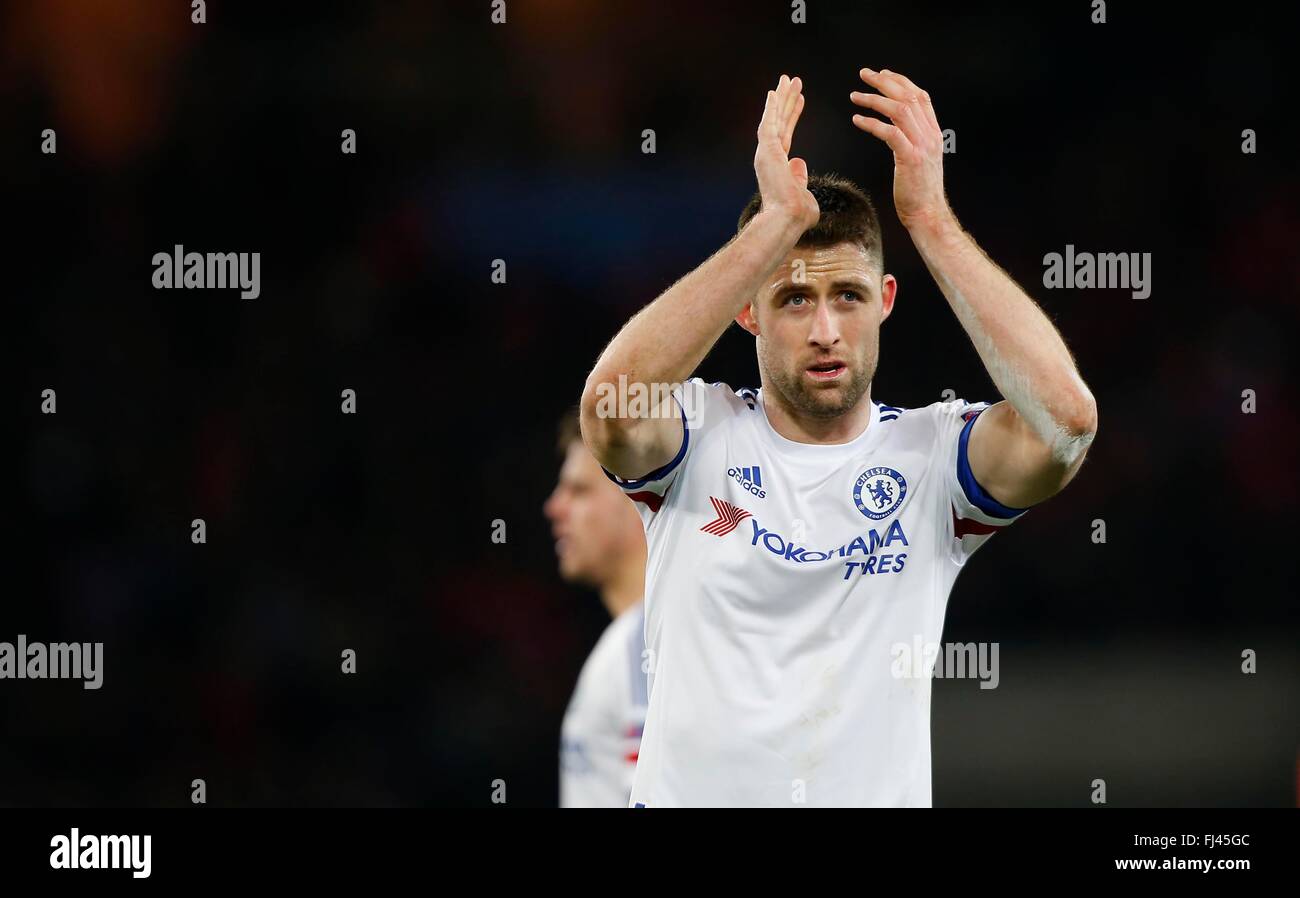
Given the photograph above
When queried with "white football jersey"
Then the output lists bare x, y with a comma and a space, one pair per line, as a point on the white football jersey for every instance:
602, 725
782, 579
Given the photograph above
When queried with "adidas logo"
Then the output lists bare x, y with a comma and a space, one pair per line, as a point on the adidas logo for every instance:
750, 479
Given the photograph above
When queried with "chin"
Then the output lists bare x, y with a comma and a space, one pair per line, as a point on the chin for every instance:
579, 574
826, 402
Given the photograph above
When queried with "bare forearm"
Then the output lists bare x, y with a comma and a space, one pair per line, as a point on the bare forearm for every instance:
1021, 349
667, 340
1028, 447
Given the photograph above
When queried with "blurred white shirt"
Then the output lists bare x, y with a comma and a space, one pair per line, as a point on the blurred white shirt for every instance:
601, 734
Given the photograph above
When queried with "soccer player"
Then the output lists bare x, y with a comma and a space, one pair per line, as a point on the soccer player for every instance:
800, 533
600, 542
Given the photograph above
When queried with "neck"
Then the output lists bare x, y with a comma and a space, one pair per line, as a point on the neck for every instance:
627, 586
800, 427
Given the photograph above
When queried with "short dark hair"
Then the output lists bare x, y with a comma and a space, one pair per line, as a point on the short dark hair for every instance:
568, 430
847, 216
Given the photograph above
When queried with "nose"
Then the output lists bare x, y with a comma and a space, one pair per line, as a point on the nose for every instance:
824, 331
551, 508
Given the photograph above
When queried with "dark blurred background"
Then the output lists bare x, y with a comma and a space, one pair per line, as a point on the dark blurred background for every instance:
522, 142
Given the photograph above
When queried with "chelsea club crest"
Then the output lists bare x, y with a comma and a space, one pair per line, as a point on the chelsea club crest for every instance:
879, 492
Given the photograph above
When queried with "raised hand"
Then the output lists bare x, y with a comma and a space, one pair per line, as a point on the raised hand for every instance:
913, 134
782, 181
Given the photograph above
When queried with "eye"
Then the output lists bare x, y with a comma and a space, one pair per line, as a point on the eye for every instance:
796, 299
851, 295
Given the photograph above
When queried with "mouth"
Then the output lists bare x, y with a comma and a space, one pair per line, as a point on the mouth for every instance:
823, 372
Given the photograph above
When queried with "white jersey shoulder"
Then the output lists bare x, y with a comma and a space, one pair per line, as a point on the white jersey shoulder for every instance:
601, 733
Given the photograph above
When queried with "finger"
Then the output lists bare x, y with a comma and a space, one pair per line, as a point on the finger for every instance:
928, 108
884, 82
891, 135
894, 86
791, 99
912, 121
878, 102
767, 124
920, 100
899, 113
774, 115
788, 138
799, 171
769, 159
902, 89
904, 81
784, 89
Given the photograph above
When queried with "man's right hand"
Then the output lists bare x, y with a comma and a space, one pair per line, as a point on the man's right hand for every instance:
665, 342
782, 181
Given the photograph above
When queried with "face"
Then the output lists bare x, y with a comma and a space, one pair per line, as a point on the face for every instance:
818, 340
594, 524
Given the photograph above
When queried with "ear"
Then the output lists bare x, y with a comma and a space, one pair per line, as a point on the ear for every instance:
748, 320
888, 290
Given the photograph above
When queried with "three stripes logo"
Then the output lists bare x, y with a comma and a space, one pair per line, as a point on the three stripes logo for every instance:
729, 517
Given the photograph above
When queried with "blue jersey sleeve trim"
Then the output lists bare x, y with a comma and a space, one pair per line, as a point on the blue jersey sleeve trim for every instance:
974, 492
661, 472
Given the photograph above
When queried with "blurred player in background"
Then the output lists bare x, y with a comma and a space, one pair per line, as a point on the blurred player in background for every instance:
600, 543
800, 534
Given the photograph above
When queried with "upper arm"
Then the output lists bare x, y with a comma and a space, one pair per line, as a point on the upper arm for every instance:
1014, 465
630, 435
646, 456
